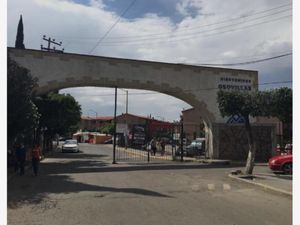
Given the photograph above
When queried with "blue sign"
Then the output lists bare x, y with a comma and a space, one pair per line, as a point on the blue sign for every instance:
236, 119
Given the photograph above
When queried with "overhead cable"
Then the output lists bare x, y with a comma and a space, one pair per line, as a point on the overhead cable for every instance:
192, 28
189, 36
112, 26
245, 63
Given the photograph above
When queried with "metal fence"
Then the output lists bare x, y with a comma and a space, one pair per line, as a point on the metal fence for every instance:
145, 154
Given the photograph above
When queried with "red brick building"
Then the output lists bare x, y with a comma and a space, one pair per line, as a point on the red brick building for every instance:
93, 123
131, 125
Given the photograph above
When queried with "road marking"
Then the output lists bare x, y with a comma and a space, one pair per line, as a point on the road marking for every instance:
211, 187
226, 187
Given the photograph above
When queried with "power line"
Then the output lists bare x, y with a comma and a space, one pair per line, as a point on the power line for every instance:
212, 24
193, 36
197, 27
277, 82
107, 32
240, 57
134, 39
245, 63
188, 36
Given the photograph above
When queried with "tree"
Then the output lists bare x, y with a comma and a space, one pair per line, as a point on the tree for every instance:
282, 104
243, 104
20, 35
22, 113
282, 107
60, 114
107, 128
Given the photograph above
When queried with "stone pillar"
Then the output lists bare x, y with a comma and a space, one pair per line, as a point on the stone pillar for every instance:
215, 140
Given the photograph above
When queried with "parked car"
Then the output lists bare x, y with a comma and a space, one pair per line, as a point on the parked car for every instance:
109, 141
178, 151
282, 163
196, 148
70, 145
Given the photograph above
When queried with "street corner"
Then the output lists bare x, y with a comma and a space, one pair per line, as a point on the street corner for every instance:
266, 183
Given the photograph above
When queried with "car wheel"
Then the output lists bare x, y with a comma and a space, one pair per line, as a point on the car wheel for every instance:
288, 168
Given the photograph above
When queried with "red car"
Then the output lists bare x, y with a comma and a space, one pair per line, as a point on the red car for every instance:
282, 163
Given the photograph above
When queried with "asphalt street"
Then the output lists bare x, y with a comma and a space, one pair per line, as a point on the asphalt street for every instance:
86, 188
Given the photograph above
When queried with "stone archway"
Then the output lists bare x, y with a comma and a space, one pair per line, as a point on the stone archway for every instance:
198, 86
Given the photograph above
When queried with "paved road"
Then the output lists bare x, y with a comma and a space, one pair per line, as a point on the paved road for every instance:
87, 189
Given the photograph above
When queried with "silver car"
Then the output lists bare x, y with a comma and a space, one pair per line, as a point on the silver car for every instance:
195, 148
70, 145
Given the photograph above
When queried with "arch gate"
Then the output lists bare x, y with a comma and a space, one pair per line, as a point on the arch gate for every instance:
196, 85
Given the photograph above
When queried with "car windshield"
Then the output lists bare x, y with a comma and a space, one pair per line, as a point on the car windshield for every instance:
196, 143
70, 142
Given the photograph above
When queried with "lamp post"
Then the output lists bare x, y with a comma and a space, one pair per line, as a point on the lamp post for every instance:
126, 132
181, 138
126, 99
115, 126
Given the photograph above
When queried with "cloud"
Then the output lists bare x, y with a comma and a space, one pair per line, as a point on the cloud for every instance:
189, 7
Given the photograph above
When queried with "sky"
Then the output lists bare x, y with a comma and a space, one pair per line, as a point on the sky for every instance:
175, 31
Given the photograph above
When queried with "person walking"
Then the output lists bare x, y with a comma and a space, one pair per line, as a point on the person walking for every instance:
36, 157
162, 145
153, 146
21, 158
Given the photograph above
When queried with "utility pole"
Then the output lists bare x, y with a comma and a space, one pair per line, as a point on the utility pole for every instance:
115, 128
51, 41
126, 101
181, 138
126, 111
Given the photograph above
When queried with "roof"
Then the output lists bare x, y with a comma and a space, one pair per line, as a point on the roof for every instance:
143, 117
109, 118
136, 116
101, 118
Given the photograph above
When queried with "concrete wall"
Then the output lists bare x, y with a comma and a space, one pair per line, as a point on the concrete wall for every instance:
230, 141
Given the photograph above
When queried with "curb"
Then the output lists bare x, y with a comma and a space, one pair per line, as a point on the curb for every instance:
262, 186
215, 162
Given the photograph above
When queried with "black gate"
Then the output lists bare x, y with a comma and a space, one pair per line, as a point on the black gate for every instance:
162, 146
145, 154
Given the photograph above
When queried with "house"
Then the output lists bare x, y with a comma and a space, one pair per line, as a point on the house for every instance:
94, 123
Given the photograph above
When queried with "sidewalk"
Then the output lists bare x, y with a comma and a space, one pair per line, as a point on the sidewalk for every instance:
11, 171
265, 179
28, 168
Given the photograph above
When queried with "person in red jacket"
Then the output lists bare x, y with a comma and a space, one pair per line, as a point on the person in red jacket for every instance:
36, 157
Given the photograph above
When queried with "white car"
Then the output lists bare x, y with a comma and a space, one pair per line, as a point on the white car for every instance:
70, 145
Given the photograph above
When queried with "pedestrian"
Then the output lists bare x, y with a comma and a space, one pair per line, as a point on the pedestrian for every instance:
36, 157
153, 146
21, 157
162, 145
